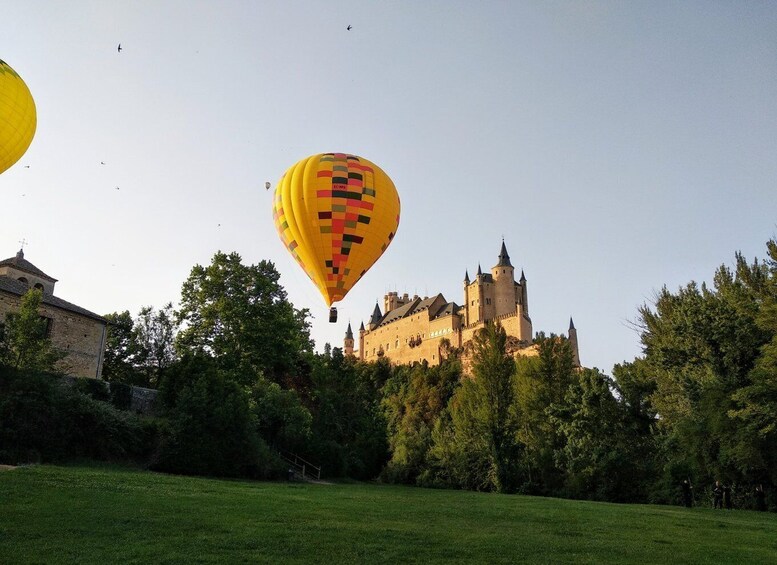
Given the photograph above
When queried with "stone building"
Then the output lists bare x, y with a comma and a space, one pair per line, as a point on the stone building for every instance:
412, 329
75, 331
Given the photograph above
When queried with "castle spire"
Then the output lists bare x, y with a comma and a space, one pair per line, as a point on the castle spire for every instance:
523, 277
375, 318
480, 272
504, 258
361, 328
466, 276
571, 324
349, 332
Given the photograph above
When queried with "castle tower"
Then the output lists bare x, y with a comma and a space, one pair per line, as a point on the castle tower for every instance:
348, 341
375, 318
466, 320
361, 341
505, 296
573, 343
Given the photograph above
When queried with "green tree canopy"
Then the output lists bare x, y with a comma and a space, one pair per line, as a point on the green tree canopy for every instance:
240, 315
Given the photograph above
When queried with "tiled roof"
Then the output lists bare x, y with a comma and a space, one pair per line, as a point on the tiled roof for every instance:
400, 312
23, 264
18, 288
447, 310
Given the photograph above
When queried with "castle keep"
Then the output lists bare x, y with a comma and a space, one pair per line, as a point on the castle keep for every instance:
75, 331
412, 329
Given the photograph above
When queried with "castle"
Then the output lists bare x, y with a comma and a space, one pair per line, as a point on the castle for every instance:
413, 329
75, 331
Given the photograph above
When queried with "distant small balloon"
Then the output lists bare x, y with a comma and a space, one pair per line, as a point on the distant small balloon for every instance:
267, 186
18, 118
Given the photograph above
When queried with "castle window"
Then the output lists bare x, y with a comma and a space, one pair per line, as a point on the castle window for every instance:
24, 280
39, 286
396, 344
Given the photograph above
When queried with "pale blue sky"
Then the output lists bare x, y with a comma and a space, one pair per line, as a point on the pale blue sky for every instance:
617, 146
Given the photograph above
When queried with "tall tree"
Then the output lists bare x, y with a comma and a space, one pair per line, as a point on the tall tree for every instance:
120, 350
542, 382
154, 334
240, 315
480, 451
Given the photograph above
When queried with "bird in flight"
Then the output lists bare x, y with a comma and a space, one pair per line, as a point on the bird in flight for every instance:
349, 27
102, 162
117, 188
26, 166
119, 48
267, 186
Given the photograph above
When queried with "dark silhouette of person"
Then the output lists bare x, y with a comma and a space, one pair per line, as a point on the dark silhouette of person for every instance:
717, 496
727, 496
687, 493
760, 498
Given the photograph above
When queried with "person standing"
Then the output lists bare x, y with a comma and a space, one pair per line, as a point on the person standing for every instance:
760, 498
717, 496
687, 493
727, 496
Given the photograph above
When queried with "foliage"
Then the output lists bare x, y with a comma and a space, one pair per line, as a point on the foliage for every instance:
24, 343
413, 399
603, 455
44, 418
541, 386
239, 314
481, 451
282, 421
138, 351
349, 430
212, 430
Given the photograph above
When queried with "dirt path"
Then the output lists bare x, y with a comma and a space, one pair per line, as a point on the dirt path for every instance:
6, 467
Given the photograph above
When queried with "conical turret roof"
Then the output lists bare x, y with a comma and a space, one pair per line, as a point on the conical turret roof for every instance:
504, 258
376, 315
348, 332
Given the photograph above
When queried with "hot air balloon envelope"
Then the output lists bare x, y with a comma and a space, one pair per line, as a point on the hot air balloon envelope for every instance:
18, 119
336, 214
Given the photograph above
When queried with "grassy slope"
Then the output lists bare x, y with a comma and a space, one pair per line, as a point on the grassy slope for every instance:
107, 515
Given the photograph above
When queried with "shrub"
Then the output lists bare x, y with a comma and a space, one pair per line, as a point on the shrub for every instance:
42, 419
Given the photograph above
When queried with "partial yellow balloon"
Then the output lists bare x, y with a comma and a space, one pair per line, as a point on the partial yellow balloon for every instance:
18, 119
336, 214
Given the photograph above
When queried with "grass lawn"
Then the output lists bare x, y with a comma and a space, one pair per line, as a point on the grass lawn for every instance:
111, 515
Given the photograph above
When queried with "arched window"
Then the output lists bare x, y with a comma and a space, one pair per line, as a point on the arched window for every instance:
24, 280
39, 286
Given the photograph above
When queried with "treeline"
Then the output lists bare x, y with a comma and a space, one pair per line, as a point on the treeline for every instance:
239, 383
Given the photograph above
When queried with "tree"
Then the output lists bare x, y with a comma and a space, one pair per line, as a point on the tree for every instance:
25, 344
154, 336
239, 314
120, 350
603, 457
213, 430
481, 451
542, 383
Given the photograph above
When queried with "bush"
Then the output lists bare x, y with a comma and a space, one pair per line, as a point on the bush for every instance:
42, 419
121, 395
95, 388
213, 432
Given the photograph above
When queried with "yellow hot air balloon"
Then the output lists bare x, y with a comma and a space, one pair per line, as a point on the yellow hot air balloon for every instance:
17, 117
336, 214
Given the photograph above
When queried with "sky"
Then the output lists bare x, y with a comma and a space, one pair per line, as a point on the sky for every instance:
616, 146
